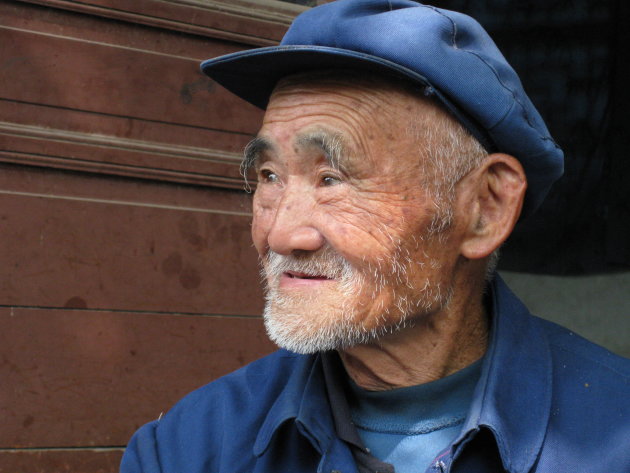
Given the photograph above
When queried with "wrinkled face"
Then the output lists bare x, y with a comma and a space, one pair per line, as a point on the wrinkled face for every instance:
341, 216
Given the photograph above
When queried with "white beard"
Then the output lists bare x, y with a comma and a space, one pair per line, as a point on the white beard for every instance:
331, 319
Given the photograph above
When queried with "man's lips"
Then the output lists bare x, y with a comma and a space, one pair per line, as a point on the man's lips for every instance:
295, 279
295, 274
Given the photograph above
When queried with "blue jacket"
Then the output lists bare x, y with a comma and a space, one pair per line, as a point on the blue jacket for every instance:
547, 401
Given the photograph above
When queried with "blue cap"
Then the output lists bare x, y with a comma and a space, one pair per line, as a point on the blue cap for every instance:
447, 53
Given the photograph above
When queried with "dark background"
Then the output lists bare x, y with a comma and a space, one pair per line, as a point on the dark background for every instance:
571, 59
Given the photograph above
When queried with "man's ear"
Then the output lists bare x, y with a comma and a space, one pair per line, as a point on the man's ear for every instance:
492, 198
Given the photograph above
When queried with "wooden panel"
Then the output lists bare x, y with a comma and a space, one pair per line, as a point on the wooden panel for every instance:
119, 295
22, 179
65, 245
25, 16
117, 130
256, 22
37, 145
64, 461
92, 94
85, 378
69, 72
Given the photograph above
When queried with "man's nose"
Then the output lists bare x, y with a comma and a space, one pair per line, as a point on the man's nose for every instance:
293, 228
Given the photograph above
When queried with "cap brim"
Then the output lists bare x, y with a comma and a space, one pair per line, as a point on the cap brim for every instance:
253, 74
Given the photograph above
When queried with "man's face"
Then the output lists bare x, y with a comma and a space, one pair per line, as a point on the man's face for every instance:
341, 215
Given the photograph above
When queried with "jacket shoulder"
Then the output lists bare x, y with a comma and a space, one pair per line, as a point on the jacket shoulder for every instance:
218, 420
589, 424
567, 345
258, 382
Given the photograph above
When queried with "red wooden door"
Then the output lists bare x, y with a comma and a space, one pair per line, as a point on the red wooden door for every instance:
128, 276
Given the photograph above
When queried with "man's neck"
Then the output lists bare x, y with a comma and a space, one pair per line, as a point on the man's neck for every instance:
434, 347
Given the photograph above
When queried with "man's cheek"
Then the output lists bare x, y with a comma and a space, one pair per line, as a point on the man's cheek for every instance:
359, 235
261, 223
377, 212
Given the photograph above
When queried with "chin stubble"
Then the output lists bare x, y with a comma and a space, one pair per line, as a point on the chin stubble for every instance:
309, 323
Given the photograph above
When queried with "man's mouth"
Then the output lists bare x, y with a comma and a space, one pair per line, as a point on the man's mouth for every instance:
298, 279
297, 275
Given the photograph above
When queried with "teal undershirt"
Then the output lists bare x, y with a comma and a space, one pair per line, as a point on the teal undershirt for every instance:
409, 427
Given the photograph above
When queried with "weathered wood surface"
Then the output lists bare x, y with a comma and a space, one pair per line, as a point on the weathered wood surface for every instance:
72, 241
60, 461
99, 95
129, 277
77, 378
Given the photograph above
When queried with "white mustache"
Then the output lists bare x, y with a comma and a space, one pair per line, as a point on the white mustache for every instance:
326, 263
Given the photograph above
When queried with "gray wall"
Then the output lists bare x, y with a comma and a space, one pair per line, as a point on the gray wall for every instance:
596, 307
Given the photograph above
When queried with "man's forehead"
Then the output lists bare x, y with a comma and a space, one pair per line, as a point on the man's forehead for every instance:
378, 97
343, 80
338, 125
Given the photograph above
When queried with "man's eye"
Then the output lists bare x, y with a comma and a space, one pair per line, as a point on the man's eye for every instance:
268, 176
330, 180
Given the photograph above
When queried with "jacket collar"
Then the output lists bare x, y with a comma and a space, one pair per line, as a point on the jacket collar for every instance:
304, 400
513, 395
512, 398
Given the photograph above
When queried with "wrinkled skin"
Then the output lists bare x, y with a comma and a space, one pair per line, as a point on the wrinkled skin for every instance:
371, 209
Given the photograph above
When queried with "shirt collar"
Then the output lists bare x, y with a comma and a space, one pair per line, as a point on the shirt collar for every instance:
513, 396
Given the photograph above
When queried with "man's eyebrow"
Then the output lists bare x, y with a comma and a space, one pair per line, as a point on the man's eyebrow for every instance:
331, 144
252, 152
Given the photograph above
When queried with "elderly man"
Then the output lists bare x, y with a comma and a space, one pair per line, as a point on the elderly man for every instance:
396, 154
